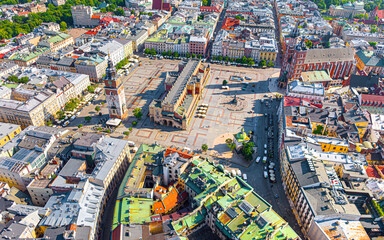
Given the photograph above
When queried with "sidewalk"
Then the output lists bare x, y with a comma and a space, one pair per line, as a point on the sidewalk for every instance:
272, 85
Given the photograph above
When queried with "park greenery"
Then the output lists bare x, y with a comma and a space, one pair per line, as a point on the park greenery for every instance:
243, 60
15, 79
92, 88
61, 15
368, 6
122, 63
72, 104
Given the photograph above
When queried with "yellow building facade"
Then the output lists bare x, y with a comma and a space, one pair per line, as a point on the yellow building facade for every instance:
8, 131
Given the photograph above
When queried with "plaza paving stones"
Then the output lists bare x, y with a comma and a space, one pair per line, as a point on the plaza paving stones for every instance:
147, 83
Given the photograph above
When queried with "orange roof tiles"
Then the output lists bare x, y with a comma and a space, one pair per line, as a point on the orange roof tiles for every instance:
372, 172
182, 152
95, 17
168, 203
230, 23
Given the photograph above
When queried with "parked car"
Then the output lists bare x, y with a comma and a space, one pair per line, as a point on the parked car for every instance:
245, 177
265, 174
258, 159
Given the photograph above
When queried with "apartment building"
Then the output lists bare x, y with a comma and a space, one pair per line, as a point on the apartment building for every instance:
35, 110
57, 42
94, 66
39, 188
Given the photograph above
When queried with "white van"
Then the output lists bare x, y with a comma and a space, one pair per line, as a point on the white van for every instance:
245, 177
131, 144
265, 146
238, 172
264, 159
233, 173
258, 159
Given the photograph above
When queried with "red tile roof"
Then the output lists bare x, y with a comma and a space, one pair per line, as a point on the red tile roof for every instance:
182, 152
372, 100
23, 13
230, 23
168, 203
372, 172
294, 101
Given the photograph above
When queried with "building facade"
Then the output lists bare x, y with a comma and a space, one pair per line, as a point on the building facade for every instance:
339, 62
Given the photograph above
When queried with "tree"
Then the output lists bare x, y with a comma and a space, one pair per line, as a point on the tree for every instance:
119, 12
176, 54
199, 56
244, 60
262, 63
147, 51
133, 12
165, 53
80, 126
126, 133
153, 52
97, 108
13, 78
319, 130
150, 14
247, 150
309, 44
204, 147
88, 118
134, 123
137, 113
188, 55
251, 63
225, 82
373, 44
24, 80
108, 131
63, 26
102, 103
193, 55
229, 141
271, 64
91, 88
226, 59
214, 58
220, 58
376, 18
373, 30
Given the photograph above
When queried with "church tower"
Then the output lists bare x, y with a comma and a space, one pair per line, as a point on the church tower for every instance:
114, 93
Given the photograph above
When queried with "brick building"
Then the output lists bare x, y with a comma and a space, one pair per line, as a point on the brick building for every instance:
339, 62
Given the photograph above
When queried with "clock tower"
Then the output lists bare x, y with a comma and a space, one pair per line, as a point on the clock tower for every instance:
114, 93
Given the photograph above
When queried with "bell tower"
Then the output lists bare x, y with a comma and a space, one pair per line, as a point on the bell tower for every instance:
114, 93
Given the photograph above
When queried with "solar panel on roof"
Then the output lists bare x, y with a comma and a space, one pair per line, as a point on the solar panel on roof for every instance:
231, 213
